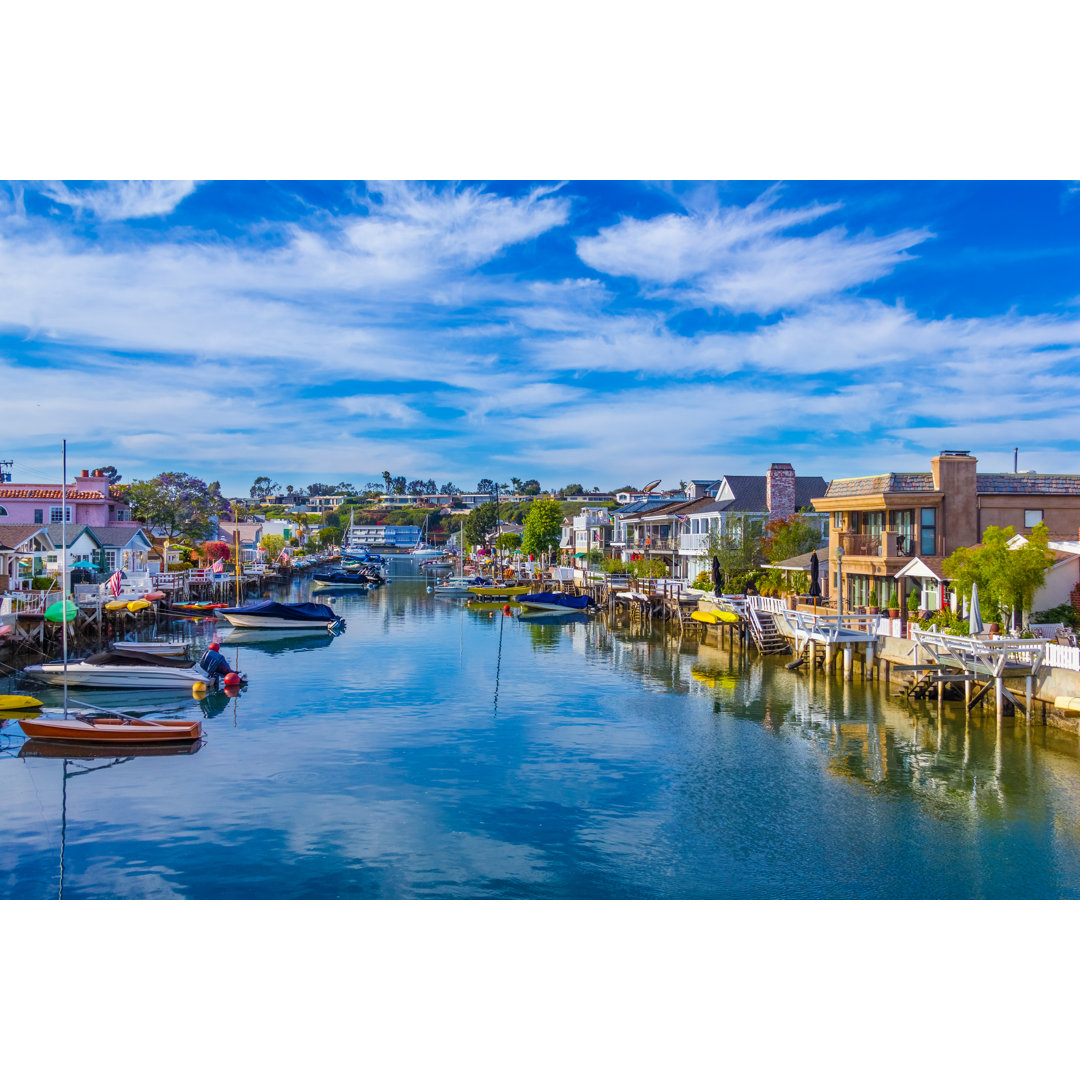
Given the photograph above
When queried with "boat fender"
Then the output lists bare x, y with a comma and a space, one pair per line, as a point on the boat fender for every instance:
506, 609
429, 588
232, 679
198, 689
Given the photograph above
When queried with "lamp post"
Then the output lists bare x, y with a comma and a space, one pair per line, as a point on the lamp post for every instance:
839, 553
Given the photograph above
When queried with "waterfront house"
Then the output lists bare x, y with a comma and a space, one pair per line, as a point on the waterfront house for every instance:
23, 553
90, 501
587, 531
248, 535
124, 547
82, 545
903, 525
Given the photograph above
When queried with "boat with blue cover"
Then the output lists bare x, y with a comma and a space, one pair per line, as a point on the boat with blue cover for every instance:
554, 602
271, 615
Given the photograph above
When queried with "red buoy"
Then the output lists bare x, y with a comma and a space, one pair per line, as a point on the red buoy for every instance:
506, 609
232, 679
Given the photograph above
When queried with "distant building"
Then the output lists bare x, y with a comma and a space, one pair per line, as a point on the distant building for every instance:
89, 502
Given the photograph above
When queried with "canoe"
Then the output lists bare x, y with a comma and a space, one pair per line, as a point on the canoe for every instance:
111, 729
9, 702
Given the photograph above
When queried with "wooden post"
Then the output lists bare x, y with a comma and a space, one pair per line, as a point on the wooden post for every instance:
1027, 715
868, 662
1000, 702
847, 663
829, 657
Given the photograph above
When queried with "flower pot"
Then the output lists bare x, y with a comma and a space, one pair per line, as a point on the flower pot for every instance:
894, 613
873, 611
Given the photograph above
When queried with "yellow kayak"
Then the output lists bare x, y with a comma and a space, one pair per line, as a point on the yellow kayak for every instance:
11, 702
138, 605
710, 618
116, 605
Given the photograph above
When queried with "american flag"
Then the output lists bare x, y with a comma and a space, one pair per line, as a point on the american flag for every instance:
114, 583
218, 567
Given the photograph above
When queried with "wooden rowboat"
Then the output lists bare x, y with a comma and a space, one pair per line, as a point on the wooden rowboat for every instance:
111, 729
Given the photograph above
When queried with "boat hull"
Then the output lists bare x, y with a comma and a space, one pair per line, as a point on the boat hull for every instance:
270, 622
119, 678
111, 730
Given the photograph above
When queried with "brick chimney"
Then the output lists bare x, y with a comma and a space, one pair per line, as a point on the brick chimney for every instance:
780, 491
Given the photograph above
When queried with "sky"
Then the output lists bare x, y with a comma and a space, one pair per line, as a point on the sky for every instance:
604, 333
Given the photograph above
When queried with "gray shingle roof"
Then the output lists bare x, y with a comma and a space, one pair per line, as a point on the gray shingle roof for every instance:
1027, 484
750, 492
879, 485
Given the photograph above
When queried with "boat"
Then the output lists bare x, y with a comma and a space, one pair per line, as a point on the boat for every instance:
711, 618
361, 578
271, 615
87, 728
496, 592
123, 669
57, 613
153, 648
18, 702
554, 601
460, 586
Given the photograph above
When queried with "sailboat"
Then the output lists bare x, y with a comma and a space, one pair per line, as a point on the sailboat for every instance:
115, 727
423, 549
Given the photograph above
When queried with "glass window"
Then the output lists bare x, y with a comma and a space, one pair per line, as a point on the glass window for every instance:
56, 514
110, 558
928, 528
1032, 518
39, 516
3, 512
838, 519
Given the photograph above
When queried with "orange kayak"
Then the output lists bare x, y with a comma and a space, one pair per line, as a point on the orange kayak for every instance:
111, 729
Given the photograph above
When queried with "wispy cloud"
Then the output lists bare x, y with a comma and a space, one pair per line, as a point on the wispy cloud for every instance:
121, 199
738, 258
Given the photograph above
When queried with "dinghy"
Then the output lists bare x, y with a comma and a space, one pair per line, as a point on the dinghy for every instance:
84, 728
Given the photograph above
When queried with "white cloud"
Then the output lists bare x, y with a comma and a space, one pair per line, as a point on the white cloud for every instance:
736, 258
118, 200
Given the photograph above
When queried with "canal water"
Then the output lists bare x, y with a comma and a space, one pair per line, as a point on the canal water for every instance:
432, 750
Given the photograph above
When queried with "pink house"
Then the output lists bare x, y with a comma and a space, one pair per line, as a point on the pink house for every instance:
88, 503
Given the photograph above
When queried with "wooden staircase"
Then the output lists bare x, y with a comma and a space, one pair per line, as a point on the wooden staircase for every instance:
763, 630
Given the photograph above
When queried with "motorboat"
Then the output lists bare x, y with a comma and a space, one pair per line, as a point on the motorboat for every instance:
88, 728
498, 592
554, 602
460, 585
348, 579
124, 669
153, 648
271, 615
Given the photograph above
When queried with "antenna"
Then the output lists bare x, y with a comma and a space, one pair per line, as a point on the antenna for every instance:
1016, 454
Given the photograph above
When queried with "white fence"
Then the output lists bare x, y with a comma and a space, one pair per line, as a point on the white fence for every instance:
1062, 656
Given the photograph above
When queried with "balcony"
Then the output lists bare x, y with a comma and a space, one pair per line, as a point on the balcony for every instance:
860, 544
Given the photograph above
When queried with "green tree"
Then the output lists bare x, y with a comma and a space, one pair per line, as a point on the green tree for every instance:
572, 489
543, 527
737, 548
273, 546
388, 481
486, 487
110, 474
176, 505
263, 487
479, 522
330, 535
530, 487
1008, 577
787, 537
509, 541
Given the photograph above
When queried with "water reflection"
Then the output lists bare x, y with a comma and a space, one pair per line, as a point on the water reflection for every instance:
440, 750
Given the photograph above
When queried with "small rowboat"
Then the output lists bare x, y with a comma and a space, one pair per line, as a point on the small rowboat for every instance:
111, 729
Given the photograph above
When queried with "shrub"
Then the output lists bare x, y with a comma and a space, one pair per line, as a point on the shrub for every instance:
1063, 613
894, 601
872, 600
703, 581
913, 602
42, 582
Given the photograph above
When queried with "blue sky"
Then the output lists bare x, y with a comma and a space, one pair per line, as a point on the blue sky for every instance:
604, 333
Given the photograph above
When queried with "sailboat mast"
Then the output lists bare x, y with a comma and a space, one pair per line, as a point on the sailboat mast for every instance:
63, 557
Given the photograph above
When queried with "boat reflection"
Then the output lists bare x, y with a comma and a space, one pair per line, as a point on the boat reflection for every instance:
48, 748
273, 642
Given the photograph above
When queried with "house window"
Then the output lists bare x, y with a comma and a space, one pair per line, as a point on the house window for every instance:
121, 515
1032, 518
39, 517
56, 514
838, 519
928, 527
3, 511
110, 558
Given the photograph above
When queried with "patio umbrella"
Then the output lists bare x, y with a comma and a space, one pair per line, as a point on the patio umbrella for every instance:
815, 585
975, 623
83, 564
717, 581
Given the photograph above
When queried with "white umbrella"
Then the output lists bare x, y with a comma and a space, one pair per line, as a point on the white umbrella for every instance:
975, 623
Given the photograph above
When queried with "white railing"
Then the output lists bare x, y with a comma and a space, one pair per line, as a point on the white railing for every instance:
1063, 656
767, 603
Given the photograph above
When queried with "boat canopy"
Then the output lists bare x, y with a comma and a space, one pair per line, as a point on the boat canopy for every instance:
562, 599
296, 612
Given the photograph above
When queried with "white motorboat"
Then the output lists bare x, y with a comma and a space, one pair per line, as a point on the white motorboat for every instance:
459, 586
153, 648
123, 670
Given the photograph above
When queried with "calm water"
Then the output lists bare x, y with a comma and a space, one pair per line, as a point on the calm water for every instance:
434, 751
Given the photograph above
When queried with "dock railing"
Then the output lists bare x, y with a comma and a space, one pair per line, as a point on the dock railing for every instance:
831, 629
1062, 656
988, 656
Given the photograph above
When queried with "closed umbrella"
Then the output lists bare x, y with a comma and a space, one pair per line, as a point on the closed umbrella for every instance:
815, 585
975, 623
717, 581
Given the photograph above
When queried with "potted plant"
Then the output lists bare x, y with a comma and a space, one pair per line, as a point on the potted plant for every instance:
872, 607
894, 605
913, 604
